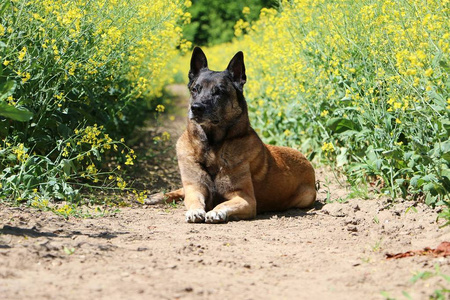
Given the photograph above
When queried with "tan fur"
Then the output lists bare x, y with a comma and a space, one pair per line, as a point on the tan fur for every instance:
253, 177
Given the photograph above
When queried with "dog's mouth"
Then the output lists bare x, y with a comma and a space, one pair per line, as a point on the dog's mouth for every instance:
203, 121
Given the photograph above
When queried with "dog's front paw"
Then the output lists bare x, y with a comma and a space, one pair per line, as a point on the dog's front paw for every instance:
195, 216
216, 216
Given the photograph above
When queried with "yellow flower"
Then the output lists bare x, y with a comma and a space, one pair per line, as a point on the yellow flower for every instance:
429, 72
129, 160
324, 113
327, 147
25, 77
121, 183
6, 62
398, 121
20, 152
2, 30
165, 136
246, 10
160, 108
22, 53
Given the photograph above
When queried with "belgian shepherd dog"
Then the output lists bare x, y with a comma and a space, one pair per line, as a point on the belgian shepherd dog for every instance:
227, 172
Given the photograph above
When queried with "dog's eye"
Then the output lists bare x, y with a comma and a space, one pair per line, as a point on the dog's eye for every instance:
196, 89
217, 91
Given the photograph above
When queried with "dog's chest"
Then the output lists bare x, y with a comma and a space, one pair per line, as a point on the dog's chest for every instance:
213, 163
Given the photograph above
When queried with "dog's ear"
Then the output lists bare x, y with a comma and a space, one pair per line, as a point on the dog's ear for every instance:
198, 62
236, 68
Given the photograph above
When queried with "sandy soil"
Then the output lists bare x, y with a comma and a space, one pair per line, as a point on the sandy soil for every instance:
332, 251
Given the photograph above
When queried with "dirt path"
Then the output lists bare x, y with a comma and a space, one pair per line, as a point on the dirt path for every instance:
333, 251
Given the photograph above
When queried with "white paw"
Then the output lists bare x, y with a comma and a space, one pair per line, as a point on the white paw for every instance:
216, 216
195, 215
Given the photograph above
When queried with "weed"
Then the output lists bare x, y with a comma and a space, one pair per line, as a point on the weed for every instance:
376, 220
69, 251
439, 294
377, 246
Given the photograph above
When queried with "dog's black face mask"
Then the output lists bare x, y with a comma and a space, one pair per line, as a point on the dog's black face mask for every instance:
216, 97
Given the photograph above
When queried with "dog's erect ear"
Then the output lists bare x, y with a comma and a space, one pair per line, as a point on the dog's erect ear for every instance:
198, 62
236, 68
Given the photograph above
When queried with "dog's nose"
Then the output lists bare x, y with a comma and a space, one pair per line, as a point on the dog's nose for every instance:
197, 109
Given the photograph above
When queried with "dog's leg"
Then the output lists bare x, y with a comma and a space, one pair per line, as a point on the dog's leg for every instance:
159, 198
195, 201
305, 197
240, 207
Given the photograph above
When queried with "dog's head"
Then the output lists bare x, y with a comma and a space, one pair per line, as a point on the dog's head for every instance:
216, 97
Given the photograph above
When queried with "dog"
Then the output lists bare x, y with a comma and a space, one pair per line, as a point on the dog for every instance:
227, 172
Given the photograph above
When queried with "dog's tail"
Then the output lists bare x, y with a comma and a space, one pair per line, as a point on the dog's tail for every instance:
169, 197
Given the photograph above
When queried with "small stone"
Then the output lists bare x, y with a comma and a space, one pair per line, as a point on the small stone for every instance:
352, 228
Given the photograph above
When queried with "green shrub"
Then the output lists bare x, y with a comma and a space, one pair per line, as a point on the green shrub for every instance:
212, 21
75, 78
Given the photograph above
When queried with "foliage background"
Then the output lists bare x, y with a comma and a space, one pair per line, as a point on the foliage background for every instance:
212, 21
76, 78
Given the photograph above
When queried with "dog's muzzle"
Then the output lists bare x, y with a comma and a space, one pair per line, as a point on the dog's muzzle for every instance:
197, 110
201, 114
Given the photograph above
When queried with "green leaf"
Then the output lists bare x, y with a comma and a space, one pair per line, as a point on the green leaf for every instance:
415, 181
446, 156
341, 159
14, 113
422, 275
69, 251
339, 125
445, 148
7, 88
68, 166
444, 65
4, 7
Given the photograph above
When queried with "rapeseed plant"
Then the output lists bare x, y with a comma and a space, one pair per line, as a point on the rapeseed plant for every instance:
74, 77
